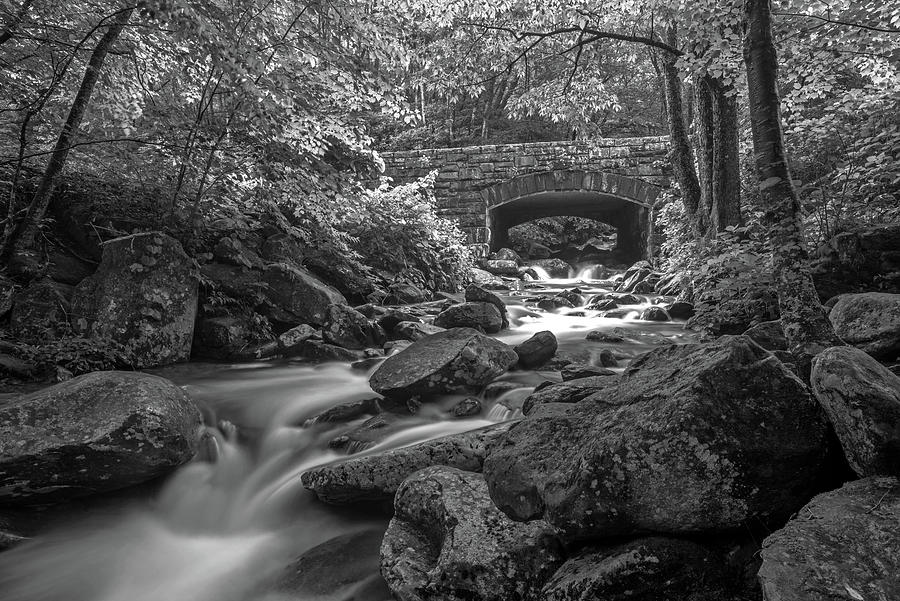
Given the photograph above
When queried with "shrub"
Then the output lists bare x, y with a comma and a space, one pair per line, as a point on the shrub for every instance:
398, 228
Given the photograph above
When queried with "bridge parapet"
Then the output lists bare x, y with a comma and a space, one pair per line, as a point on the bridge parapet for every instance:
466, 174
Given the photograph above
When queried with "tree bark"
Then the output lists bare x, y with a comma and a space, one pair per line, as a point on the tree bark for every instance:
22, 240
805, 324
705, 130
726, 185
10, 28
680, 154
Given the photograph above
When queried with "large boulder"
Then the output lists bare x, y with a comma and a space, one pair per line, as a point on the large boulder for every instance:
862, 400
455, 360
769, 335
144, 296
841, 545
448, 542
296, 296
97, 432
501, 267
377, 477
348, 328
693, 438
221, 337
869, 321
485, 316
645, 569
570, 391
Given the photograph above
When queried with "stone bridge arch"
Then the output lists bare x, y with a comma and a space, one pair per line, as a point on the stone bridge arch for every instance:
618, 200
485, 187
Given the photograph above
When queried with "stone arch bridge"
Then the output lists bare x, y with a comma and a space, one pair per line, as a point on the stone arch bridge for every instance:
489, 189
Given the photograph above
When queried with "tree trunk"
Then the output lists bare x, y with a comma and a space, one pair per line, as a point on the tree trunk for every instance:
680, 155
705, 130
22, 240
726, 185
805, 324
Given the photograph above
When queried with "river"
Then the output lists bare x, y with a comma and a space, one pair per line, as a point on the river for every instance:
231, 525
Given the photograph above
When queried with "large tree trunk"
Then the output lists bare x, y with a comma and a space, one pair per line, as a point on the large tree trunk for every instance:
726, 185
680, 155
705, 131
21, 243
804, 321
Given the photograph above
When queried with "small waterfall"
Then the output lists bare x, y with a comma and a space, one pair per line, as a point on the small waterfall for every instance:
591, 272
540, 272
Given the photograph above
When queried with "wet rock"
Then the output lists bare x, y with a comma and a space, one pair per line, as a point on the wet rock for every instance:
377, 477
654, 314
862, 400
344, 567
40, 311
290, 342
537, 350
694, 438
769, 335
348, 328
485, 316
346, 412
415, 330
869, 321
455, 360
602, 304
680, 310
94, 433
448, 542
390, 317
607, 358
575, 371
841, 545
477, 294
501, 267
554, 303
220, 337
555, 268
370, 432
395, 346
296, 296
466, 408
571, 391
573, 296
507, 254
319, 350
604, 336
536, 250
143, 296
633, 277
646, 569
629, 299
258, 351
405, 293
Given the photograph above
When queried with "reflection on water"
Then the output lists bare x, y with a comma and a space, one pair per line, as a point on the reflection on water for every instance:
225, 530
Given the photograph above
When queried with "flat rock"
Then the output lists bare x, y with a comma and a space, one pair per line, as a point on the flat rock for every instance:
94, 433
376, 477
842, 545
862, 400
455, 360
447, 542
483, 315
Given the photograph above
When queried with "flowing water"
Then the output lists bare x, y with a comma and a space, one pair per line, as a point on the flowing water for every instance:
231, 525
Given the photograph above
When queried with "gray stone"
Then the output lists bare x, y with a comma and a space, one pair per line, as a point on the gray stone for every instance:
645, 569
570, 391
377, 477
415, 330
290, 342
94, 433
447, 542
841, 545
575, 371
296, 296
694, 438
477, 315
143, 296
537, 350
501, 267
348, 328
476, 294
466, 408
220, 337
455, 360
862, 400
654, 314
869, 321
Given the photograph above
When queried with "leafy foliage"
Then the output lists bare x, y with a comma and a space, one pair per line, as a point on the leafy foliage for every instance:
398, 228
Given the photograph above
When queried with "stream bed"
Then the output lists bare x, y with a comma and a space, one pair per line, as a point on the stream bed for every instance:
236, 524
